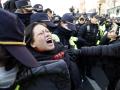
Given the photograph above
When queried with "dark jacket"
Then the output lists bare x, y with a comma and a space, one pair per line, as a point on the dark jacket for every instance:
88, 34
78, 26
111, 50
25, 18
103, 53
50, 75
111, 64
64, 36
40, 83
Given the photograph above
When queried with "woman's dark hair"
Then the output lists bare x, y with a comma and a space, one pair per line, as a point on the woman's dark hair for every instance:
29, 32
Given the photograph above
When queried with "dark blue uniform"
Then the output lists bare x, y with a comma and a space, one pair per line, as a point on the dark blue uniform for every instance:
64, 36
88, 34
25, 18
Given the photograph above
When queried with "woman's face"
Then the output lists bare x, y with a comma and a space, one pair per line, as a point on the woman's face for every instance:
42, 39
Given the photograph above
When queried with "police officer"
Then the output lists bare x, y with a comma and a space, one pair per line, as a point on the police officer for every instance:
56, 20
13, 53
24, 11
89, 33
10, 5
38, 8
65, 30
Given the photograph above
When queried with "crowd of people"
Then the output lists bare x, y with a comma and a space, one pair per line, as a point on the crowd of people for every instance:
40, 50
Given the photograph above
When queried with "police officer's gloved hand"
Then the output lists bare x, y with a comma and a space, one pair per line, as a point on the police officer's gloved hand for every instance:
73, 53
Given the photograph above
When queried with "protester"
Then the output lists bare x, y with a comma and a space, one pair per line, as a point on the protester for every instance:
47, 50
40, 43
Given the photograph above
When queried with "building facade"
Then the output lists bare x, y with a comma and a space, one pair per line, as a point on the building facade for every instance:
113, 8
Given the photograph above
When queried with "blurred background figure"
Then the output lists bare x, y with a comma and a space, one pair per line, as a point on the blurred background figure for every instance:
56, 20
81, 21
10, 5
49, 12
24, 11
38, 8
0, 4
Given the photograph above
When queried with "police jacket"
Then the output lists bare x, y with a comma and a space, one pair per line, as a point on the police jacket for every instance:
25, 18
111, 50
78, 26
64, 35
88, 34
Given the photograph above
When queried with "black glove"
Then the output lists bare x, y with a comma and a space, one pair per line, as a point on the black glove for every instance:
73, 54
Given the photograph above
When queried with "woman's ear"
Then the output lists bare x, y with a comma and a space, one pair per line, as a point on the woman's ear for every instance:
32, 45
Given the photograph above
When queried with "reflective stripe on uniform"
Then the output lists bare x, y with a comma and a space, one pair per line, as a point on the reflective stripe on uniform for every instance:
72, 41
55, 37
12, 43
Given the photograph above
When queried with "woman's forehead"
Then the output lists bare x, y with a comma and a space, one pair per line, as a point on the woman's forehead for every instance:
40, 28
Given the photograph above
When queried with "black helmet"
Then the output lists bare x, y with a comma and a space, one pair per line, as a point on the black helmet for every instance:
56, 18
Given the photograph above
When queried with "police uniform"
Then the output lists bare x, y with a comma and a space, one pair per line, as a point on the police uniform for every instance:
25, 17
88, 34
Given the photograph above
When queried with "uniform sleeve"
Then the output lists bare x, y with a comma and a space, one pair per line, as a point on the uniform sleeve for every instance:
102, 50
111, 50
